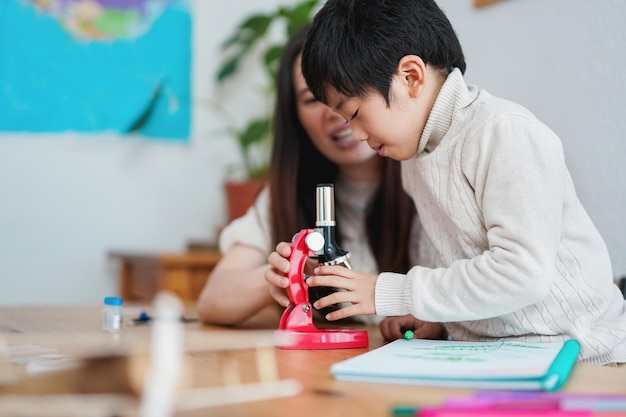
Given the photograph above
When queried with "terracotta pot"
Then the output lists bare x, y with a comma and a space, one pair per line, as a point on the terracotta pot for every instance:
240, 195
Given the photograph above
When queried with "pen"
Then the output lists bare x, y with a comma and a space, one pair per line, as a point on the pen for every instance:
407, 333
538, 394
479, 412
541, 401
402, 411
144, 318
512, 412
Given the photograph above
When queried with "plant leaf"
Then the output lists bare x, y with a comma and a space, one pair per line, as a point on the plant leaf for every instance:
256, 131
253, 27
258, 24
271, 59
245, 36
228, 68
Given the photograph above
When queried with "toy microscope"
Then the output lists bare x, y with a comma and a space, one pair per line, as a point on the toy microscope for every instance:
296, 329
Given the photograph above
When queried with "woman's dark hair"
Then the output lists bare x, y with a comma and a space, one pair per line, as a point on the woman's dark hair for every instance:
297, 167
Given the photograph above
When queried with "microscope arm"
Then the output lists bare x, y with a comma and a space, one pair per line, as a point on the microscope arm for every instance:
299, 315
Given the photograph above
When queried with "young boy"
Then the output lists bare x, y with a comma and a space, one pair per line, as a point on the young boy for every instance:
518, 256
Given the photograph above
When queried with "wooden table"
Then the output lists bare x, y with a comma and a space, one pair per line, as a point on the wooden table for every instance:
321, 394
142, 275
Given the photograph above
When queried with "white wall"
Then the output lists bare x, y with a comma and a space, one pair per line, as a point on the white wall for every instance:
66, 200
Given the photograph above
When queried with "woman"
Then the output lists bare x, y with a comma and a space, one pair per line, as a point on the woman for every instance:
312, 145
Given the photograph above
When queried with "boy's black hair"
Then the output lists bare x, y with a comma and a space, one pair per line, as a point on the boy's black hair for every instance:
355, 45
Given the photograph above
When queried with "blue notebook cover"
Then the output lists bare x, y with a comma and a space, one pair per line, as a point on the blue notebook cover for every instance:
485, 365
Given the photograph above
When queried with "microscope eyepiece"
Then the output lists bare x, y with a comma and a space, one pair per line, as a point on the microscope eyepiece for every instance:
331, 253
325, 205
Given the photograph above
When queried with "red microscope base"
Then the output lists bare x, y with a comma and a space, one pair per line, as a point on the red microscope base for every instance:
339, 338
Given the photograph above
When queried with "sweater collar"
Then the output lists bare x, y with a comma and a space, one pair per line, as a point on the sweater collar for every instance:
454, 94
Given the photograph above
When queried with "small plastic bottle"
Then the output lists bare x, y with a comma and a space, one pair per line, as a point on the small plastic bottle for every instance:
112, 314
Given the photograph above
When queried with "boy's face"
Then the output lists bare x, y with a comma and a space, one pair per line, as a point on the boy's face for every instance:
392, 130
326, 129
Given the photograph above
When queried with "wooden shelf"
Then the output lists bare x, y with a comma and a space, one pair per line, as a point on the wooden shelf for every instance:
143, 275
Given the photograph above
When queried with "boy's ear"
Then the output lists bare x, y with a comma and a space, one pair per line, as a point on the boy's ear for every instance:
412, 71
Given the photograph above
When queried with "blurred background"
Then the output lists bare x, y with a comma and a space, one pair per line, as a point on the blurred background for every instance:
116, 136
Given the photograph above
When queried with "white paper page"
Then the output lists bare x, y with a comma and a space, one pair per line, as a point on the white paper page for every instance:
448, 359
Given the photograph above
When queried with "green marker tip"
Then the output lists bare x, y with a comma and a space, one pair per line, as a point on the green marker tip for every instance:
402, 411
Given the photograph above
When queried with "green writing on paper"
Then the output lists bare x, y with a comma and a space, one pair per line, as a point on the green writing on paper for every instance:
467, 353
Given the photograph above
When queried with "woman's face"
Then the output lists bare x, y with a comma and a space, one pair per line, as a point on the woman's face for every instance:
328, 131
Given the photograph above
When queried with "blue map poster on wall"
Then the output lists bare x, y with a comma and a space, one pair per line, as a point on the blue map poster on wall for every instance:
96, 65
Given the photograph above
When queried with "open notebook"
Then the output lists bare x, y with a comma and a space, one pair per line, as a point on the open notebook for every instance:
486, 365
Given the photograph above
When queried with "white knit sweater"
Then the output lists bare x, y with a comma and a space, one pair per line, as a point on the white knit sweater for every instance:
519, 256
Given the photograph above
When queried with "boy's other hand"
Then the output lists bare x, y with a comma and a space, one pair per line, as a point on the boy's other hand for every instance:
393, 328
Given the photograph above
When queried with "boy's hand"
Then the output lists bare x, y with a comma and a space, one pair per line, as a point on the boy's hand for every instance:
393, 328
359, 290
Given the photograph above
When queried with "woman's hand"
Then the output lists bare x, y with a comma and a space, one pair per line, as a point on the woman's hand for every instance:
277, 274
279, 268
359, 291
394, 327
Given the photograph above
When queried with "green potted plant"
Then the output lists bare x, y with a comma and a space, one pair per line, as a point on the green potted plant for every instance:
254, 138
